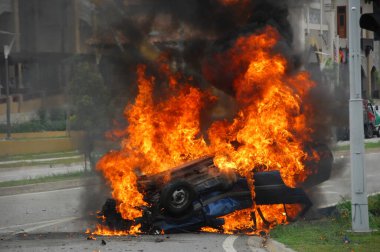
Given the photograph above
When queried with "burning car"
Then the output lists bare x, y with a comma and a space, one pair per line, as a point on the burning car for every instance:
194, 195
174, 172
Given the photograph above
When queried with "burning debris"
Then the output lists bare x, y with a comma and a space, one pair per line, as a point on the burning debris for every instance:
242, 174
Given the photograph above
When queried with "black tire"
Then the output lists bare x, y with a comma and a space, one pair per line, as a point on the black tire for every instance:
378, 132
177, 197
368, 131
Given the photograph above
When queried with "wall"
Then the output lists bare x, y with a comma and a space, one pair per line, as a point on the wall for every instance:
41, 142
25, 110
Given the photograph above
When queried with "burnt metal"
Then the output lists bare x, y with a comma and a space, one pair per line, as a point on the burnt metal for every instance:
211, 187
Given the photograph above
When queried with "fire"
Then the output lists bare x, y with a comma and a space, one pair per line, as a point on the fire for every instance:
268, 131
104, 231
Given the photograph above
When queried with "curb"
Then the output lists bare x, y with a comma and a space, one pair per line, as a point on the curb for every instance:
267, 244
49, 186
275, 246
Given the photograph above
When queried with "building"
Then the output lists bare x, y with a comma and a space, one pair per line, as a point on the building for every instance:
45, 35
323, 32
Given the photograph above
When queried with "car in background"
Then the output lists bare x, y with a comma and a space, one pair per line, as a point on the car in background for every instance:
371, 120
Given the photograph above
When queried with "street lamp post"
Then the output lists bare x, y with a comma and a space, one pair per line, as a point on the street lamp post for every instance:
7, 50
7, 92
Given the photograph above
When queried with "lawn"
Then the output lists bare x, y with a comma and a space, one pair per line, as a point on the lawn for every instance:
370, 145
331, 233
45, 179
41, 159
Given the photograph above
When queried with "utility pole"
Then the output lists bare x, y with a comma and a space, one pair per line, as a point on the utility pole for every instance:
359, 201
8, 112
7, 51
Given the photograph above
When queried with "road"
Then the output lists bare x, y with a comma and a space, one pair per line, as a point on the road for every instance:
56, 220
338, 187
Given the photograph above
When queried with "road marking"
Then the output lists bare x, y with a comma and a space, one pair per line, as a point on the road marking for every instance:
50, 224
37, 225
228, 244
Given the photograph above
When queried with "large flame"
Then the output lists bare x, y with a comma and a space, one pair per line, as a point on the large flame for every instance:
267, 133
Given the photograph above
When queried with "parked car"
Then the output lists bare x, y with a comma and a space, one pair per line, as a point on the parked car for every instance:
371, 120
369, 116
198, 193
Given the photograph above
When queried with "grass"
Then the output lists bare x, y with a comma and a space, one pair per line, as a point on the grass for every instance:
39, 156
43, 162
366, 146
33, 159
330, 233
52, 178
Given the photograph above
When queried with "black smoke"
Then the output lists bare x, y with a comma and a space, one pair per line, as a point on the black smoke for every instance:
198, 30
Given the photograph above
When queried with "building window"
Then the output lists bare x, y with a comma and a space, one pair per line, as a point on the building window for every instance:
341, 21
314, 16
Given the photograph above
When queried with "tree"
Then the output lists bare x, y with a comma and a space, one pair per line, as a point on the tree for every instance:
89, 98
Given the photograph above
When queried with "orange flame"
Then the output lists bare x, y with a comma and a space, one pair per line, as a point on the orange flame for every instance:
270, 128
105, 231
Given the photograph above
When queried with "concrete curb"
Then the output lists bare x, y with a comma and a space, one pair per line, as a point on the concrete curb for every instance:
275, 246
49, 186
270, 245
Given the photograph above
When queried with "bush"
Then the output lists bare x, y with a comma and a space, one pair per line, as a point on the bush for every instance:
374, 205
344, 210
57, 114
48, 120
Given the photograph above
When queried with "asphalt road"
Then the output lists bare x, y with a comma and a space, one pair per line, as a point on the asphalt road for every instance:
338, 187
56, 220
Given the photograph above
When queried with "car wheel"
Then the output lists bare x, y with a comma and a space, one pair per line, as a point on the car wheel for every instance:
368, 131
176, 198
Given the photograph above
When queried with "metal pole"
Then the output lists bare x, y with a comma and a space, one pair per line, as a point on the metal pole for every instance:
7, 96
359, 201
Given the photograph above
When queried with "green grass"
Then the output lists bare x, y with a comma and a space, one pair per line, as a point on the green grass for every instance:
328, 234
70, 157
34, 138
366, 146
44, 162
52, 178
39, 156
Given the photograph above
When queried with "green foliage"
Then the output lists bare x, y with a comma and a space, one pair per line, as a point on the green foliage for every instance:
35, 126
374, 205
47, 120
331, 233
57, 114
344, 210
89, 99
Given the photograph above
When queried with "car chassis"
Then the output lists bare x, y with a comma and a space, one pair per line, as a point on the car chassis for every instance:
196, 194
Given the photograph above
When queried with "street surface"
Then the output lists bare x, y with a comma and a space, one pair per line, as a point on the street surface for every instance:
31, 172
338, 187
56, 220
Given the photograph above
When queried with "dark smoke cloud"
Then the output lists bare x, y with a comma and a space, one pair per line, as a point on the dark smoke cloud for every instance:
216, 27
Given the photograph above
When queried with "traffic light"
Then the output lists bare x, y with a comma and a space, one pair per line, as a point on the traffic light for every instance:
371, 22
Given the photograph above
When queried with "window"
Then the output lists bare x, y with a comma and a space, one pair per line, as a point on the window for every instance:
341, 21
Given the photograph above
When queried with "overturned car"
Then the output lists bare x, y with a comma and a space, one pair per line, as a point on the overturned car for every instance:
196, 194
